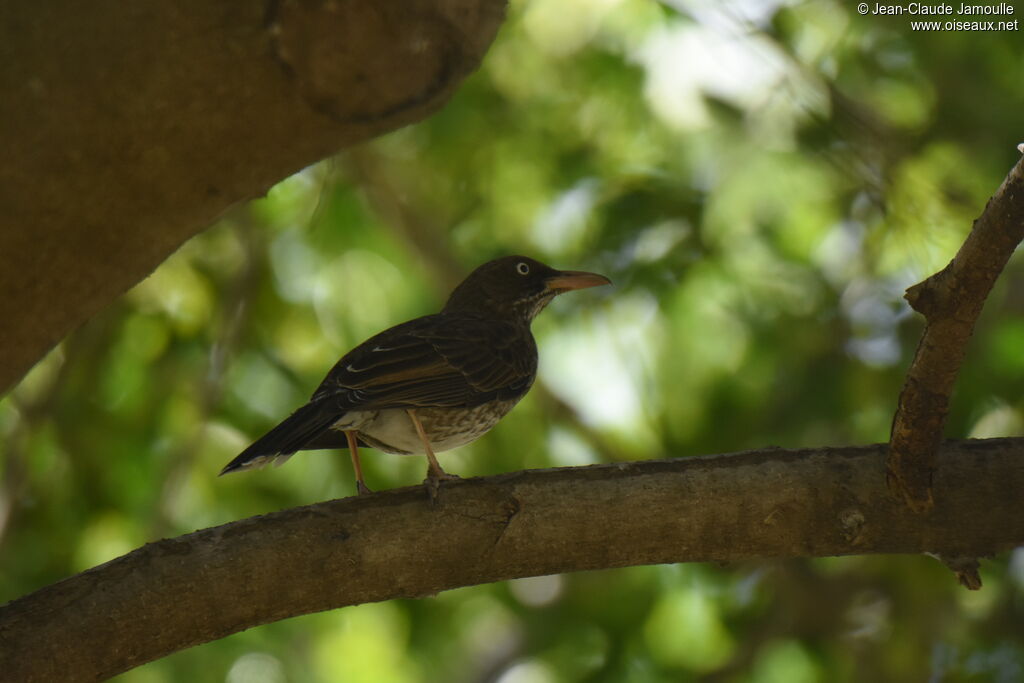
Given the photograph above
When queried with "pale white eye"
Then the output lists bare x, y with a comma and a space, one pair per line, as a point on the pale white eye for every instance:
522, 268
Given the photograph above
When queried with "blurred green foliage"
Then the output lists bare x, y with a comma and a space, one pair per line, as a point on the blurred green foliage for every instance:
761, 180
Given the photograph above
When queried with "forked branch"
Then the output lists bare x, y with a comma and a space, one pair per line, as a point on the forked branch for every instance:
950, 301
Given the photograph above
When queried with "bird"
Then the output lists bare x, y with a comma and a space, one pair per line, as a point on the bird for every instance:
433, 383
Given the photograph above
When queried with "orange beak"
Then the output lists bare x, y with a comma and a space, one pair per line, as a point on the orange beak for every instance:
566, 280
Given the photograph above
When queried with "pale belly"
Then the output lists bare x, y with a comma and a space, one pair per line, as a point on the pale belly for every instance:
392, 430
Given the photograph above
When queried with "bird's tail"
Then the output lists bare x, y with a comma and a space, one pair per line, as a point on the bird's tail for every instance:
296, 431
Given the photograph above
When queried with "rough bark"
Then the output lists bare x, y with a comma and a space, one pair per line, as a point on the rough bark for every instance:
776, 503
128, 127
951, 301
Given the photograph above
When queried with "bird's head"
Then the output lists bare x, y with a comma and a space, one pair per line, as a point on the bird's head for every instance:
516, 287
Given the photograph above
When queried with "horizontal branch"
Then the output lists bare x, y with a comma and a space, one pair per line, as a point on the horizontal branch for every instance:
775, 503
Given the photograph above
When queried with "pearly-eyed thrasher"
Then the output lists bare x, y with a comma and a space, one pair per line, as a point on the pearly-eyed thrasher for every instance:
433, 383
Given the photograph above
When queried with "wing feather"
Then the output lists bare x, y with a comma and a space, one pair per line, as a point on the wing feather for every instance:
437, 360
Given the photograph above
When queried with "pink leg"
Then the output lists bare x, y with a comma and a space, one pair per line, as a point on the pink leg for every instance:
353, 449
434, 471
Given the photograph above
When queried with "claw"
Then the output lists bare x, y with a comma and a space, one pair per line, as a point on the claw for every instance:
434, 479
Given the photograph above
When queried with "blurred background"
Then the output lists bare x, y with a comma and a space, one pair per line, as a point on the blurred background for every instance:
760, 179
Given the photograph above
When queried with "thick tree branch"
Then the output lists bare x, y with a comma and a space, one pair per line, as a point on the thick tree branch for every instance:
181, 592
951, 301
129, 127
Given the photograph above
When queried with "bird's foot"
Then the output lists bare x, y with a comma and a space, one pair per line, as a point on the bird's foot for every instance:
433, 482
362, 489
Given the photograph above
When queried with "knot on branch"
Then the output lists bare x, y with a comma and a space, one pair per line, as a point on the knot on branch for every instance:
359, 62
932, 296
966, 569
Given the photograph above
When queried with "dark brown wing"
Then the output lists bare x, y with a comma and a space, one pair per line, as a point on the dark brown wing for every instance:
438, 360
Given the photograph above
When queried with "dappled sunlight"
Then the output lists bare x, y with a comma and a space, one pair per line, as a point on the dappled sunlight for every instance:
761, 181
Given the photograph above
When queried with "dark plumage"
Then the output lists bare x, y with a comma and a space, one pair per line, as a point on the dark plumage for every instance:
433, 383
